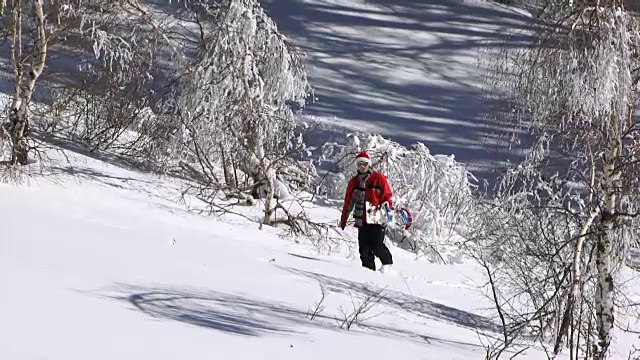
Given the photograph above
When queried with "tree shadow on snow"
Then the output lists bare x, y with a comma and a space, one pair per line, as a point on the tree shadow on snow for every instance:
118, 182
404, 302
228, 313
153, 190
406, 69
96, 154
241, 315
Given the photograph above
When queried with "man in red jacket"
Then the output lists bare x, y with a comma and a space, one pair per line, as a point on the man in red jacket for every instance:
368, 191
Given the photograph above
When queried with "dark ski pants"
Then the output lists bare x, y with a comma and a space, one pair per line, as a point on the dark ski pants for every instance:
371, 244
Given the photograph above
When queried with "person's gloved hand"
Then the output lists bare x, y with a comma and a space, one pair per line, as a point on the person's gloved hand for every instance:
342, 223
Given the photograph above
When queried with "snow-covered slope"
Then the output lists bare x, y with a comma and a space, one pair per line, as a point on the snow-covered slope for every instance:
406, 69
96, 263
102, 262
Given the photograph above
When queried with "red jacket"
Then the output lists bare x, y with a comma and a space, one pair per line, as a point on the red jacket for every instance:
377, 191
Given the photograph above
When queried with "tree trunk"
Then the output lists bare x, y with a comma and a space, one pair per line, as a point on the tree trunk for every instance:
604, 292
269, 208
15, 26
576, 282
228, 170
20, 113
15, 48
576, 273
604, 296
268, 181
264, 178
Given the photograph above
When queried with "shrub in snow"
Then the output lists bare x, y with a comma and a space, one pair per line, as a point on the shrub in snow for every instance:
232, 107
437, 190
118, 73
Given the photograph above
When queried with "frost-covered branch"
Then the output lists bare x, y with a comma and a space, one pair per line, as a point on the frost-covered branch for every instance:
575, 92
233, 105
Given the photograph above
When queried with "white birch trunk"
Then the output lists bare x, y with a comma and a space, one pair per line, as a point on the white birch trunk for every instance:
265, 178
16, 54
604, 304
270, 179
576, 281
576, 273
20, 120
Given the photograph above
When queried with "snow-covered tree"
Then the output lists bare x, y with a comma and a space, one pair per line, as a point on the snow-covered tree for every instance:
206, 83
575, 92
233, 106
27, 62
99, 38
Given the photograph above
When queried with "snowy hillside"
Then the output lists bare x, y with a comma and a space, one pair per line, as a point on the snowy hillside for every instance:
102, 260
406, 69
97, 263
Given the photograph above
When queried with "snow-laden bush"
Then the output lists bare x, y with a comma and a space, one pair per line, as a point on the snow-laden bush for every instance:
524, 241
232, 107
437, 190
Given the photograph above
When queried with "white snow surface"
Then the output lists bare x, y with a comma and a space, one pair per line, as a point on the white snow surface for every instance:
100, 262
97, 265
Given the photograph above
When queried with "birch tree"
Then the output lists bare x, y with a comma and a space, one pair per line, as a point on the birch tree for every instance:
94, 31
27, 63
576, 96
231, 80
233, 104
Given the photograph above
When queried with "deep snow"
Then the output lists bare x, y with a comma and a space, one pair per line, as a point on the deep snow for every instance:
97, 264
102, 262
